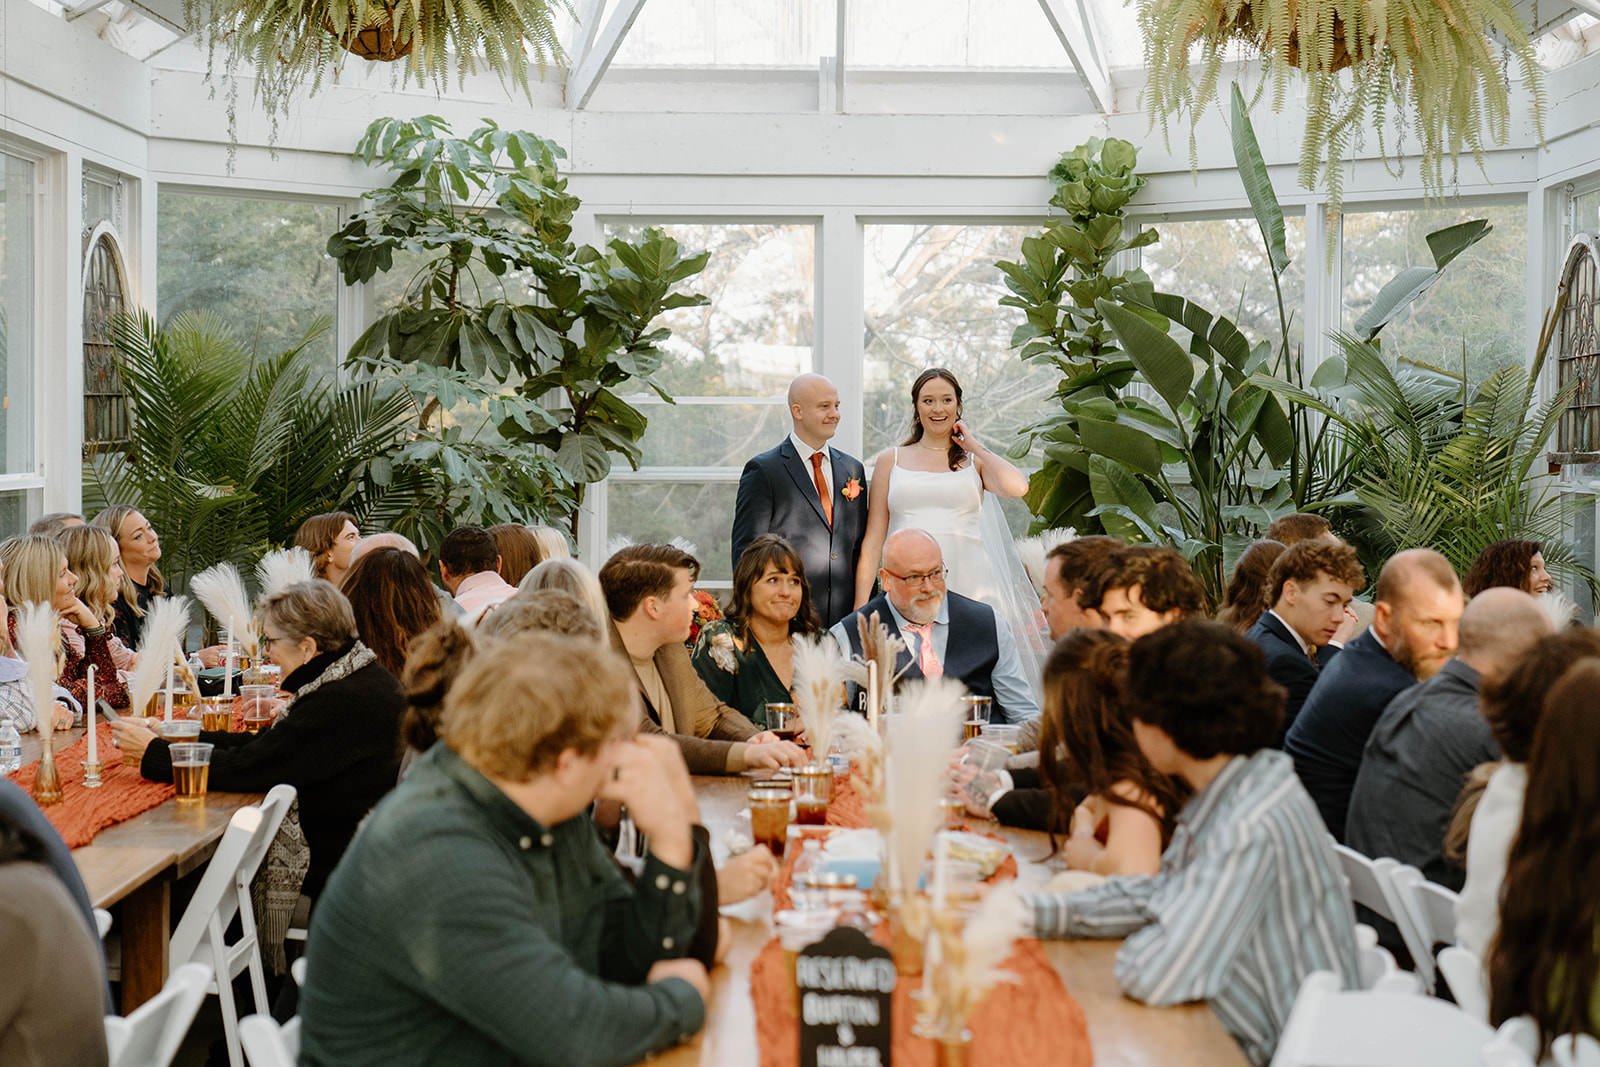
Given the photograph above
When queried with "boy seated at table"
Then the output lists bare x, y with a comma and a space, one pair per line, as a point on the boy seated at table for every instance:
1249, 899
476, 918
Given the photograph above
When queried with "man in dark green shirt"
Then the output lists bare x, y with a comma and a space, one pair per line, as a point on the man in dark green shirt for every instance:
477, 918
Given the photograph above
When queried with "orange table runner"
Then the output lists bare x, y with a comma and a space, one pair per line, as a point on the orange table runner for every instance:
1032, 1020
82, 812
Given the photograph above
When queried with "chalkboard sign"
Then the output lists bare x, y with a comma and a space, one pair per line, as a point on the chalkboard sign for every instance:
846, 986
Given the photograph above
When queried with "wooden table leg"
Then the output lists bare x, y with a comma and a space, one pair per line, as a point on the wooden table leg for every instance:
146, 932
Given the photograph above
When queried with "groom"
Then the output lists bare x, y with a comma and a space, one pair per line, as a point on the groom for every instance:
811, 495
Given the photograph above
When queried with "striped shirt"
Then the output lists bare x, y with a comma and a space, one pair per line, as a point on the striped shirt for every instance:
1248, 902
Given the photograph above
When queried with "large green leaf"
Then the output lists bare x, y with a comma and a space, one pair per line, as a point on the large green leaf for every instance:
1124, 505
1258, 184
1162, 361
1123, 443
1404, 288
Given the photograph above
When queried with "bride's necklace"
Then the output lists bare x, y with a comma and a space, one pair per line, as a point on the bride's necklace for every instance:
932, 448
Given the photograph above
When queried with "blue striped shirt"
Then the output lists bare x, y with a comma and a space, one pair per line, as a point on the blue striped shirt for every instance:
1248, 902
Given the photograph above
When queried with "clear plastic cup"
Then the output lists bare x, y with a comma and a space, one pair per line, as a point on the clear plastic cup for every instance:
191, 769
1003, 734
986, 755
259, 703
179, 729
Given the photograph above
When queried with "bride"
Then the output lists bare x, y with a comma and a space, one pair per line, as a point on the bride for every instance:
936, 481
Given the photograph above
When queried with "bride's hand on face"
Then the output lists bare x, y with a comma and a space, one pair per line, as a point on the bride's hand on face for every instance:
965, 439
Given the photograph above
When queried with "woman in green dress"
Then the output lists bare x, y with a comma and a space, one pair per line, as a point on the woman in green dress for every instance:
746, 659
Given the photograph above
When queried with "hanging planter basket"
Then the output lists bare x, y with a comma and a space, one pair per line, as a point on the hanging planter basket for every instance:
374, 41
1431, 66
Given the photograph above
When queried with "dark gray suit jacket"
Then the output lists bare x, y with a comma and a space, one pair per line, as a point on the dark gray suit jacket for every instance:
777, 494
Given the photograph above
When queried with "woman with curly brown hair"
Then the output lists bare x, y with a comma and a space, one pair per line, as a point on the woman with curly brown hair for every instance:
1119, 809
1545, 961
1518, 564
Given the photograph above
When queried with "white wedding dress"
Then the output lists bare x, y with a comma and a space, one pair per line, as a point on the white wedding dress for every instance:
949, 505
978, 549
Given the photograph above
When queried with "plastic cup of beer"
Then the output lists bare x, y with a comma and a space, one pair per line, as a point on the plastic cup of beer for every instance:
179, 730
978, 711
987, 755
258, 702
191, 769
216, 713
813, 790
769, 814
1003, 734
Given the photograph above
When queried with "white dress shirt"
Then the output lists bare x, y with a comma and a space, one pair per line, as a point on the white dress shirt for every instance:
805, 452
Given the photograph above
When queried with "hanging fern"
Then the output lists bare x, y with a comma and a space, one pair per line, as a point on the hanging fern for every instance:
1428, 60
291, 47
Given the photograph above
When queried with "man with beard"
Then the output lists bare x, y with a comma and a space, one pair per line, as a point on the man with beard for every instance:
945, 633
1412, 635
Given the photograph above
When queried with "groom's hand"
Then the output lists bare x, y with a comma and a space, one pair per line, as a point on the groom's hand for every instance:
773, 754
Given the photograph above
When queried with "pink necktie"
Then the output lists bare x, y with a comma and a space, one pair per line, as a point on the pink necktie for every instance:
927, 658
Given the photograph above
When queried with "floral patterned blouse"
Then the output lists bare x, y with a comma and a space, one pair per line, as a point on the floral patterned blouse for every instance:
740, 677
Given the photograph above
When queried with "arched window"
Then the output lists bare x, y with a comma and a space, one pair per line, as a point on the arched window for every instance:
105, 289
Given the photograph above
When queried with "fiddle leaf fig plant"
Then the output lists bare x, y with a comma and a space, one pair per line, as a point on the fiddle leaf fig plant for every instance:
517, 344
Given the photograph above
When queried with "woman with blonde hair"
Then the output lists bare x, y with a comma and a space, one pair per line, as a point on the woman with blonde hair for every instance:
92, 555
552, 542
16, 694
570, 576
36, 572
139, 548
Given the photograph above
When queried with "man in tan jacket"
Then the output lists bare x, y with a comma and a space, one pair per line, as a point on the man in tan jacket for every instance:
650, 594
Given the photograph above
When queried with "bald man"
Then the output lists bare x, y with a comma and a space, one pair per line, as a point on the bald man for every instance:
810, 494
1431, 736
945, 633
1413, 634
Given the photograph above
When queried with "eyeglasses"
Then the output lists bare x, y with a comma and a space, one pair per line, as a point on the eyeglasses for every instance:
935, 577
266, 642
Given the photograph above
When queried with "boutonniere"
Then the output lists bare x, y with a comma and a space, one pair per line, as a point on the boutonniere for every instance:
852, 489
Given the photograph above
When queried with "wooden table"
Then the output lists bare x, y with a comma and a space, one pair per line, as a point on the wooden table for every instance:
1123, 1033
129, 869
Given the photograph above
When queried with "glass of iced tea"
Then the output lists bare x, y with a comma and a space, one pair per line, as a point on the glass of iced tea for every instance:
769, 814
784, 720
813, 789
191, 769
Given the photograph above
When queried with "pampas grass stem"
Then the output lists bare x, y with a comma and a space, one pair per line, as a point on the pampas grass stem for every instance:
37, 636
221, 590
164, 626
279, 570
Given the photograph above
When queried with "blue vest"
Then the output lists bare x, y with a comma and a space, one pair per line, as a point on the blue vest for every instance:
970, 654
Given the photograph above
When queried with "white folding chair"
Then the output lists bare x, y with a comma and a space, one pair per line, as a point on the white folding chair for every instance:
269, 1045
1378, 969
1463, 972
1426, 914
102, 922
1516, 1044
224, 892
1329, 1027
1368, 880
297, 970
151, 1035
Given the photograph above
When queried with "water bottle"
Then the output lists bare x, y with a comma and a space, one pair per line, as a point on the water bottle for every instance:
802, 894
10, 747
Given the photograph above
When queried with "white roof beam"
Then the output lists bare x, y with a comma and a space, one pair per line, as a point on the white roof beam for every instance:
590, 29
585, 78
168, 13
1067, 18
83, 7
841, 31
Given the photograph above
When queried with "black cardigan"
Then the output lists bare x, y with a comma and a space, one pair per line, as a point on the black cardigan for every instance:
338, 746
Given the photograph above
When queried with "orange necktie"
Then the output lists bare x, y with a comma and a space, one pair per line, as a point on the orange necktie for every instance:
822, 487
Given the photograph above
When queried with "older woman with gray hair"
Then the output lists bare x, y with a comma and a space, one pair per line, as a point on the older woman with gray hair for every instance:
337, 743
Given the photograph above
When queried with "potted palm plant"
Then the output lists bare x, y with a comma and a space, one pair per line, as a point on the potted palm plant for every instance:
292, 46
1430, 64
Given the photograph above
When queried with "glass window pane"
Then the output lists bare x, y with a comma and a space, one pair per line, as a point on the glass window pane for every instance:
1481, 302
756, 333
951, 33
730, 33
101, 203
1222, 265
13, 514
1586, 212
932, 300
710, 435
17, 268
698, 512
260, 264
